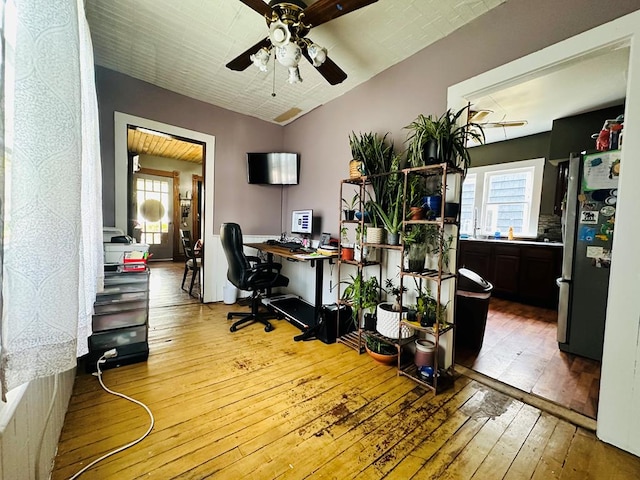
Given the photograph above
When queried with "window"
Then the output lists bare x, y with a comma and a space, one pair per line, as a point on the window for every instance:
497, 197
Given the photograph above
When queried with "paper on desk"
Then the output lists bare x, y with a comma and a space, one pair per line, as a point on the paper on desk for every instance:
309, 256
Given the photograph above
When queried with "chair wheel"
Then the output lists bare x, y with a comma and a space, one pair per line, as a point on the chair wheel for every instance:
229, 316
233, 328
268, 328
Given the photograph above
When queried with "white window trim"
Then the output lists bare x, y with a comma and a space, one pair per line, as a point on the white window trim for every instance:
538, 171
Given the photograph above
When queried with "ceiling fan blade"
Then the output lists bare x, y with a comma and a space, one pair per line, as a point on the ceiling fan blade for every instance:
324, 10
511, 123
242, 61
329, 70
258, 6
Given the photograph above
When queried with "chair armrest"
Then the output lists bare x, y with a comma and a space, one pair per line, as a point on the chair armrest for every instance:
253, 259
261, 267
265, 267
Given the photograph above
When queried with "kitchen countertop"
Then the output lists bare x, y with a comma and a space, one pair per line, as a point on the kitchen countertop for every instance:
514, 242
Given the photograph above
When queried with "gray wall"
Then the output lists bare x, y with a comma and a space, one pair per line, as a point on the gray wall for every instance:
235, 135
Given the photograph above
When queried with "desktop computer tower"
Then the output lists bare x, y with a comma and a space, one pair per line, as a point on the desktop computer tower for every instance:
328, 328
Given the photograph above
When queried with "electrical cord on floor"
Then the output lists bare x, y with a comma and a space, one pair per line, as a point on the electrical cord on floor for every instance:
110, 354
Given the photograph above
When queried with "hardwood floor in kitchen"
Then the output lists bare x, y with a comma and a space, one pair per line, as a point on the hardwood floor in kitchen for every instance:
521, 350
258, 405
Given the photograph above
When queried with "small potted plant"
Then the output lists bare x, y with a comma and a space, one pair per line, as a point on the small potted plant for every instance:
389, 210
363, 295
382, 352
415, 242
346, 247
356, 164
350, 206
397, 292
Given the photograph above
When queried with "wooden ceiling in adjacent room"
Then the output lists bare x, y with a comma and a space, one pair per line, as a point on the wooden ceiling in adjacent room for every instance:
162, 145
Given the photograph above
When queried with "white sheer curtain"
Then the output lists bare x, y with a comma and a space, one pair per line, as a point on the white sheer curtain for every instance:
51, 189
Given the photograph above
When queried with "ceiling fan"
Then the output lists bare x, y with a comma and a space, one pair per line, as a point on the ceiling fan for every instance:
477, 117
289, 22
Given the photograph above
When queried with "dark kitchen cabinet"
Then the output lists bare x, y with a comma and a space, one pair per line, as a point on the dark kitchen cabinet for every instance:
539, 267
562, 180
520, 272
506, 268
476, 256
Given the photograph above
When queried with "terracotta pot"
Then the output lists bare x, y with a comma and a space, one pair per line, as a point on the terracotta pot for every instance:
416, 213
346, 253
382, 359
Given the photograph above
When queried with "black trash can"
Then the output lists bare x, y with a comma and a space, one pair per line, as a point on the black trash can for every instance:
472, 305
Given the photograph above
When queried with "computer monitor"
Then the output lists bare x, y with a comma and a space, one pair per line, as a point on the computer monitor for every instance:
302, 221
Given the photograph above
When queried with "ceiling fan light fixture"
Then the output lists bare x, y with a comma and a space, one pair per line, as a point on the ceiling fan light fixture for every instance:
279, 33
317, 54
294, 75
288, 55
261, 58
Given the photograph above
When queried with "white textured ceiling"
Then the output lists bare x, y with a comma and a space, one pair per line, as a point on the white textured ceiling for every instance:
184, 45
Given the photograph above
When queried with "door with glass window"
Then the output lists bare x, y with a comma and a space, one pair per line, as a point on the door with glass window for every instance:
153, 199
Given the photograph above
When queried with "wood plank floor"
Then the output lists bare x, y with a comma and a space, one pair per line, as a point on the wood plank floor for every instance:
259, 405
520, 349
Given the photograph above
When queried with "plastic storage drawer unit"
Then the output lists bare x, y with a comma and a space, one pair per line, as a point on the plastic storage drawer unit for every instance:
116, 338
111, 305
121, 319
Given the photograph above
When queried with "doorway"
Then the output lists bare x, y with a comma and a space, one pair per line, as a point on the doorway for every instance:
618, 379
210, 288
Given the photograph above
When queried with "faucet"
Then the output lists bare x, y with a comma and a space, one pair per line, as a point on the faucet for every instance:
475, 223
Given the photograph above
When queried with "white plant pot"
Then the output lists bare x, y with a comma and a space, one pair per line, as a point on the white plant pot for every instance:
388, 322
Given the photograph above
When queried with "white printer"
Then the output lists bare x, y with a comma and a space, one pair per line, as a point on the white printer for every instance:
116, 244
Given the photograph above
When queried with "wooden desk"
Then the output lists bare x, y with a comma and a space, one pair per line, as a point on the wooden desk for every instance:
315, 260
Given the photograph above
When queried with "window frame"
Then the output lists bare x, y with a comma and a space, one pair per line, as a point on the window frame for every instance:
536, 165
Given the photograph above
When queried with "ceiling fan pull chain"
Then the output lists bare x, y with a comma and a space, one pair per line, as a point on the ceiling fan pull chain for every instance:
273, 88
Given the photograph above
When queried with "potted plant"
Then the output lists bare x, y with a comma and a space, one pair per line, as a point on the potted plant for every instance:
380, 351
346, 247
363, 295
426, 307
438, 245
455, 136
442, 139
388, 206
350, 206
396, 292
416, 192
388, 315
415, 242
356, 164
422, 140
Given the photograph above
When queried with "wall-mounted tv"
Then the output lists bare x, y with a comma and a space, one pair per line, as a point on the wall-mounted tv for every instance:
275, 168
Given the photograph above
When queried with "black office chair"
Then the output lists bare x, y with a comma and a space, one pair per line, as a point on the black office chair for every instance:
192, 262
249, 273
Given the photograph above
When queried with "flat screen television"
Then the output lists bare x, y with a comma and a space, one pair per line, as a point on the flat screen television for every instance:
302, 221
276, 168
